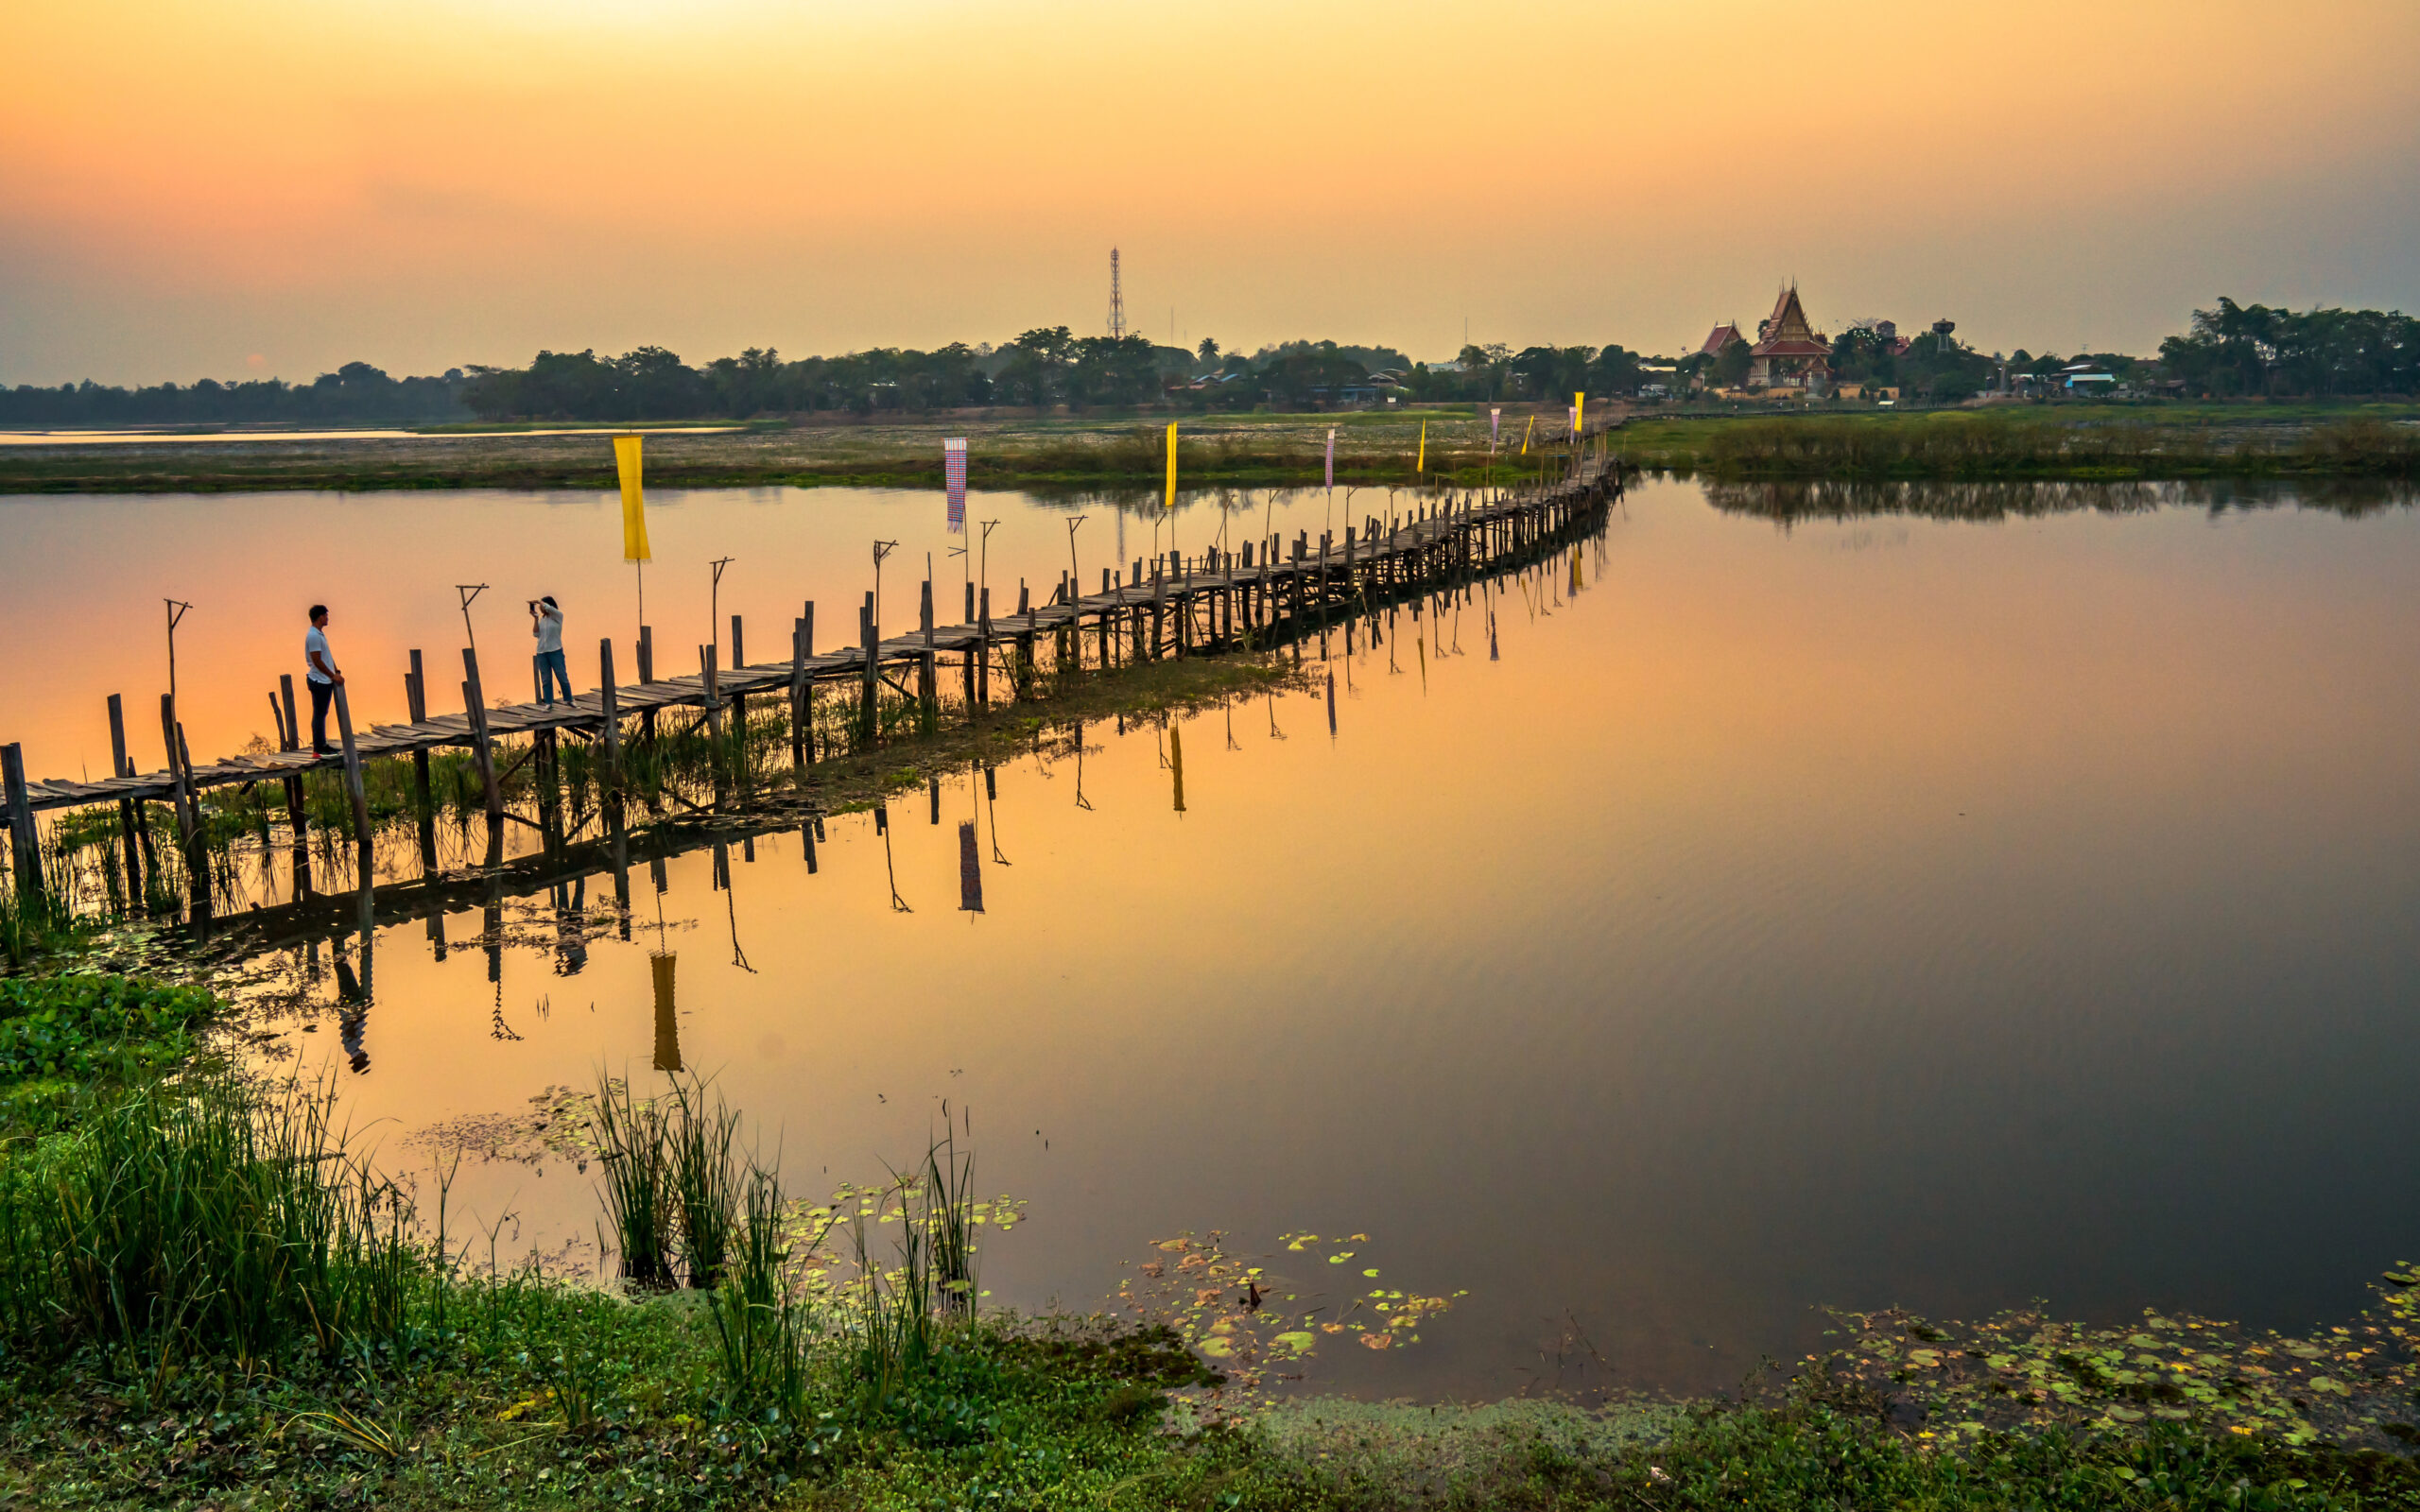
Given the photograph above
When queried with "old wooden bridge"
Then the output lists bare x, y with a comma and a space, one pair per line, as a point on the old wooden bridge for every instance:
1267, 592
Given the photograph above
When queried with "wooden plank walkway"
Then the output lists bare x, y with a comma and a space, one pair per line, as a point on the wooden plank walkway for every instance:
1304, 578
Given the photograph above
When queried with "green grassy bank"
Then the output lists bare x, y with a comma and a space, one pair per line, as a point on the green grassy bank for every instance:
1115, 453
207, 1300
2078, 442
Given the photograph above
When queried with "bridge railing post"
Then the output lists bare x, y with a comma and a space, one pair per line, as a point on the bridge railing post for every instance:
25, 848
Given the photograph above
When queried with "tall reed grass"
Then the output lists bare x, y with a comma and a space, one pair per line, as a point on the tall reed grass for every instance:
202, 1217
674, 1182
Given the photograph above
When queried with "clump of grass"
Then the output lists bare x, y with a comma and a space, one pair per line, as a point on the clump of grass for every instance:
634, 1141
764, 1332
899, 1314
673, 1181
201, 1217
705, 1180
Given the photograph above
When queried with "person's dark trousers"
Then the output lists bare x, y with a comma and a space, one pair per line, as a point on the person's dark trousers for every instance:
323, 695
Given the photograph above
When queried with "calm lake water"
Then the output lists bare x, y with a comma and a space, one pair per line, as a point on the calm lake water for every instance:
1879, 911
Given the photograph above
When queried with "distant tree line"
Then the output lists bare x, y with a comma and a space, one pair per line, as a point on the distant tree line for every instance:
2234, 350
354, 394
1044, 367
1491, 372
2251, 349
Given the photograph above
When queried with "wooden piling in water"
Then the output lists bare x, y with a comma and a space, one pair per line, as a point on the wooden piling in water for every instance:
868, 713
128, 813
353, 785
610, 711
738, 700
799, 736
482, 743
416, 698
927, 695
24, 844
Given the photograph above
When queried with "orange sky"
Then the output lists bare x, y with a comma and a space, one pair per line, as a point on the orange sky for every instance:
283, 185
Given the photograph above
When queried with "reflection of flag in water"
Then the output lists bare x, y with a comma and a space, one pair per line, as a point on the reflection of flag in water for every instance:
970, 871
954, 478
667, 1029
1331, 458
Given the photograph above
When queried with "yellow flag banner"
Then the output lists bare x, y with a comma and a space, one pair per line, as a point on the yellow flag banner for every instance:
1422, 465
626, 456
1578, 412
1527, 431
1171, 467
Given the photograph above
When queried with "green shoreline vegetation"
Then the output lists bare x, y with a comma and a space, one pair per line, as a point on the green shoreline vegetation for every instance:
208, 1301
1114, 455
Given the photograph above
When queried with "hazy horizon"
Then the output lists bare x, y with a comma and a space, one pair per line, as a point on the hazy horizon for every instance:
198, 193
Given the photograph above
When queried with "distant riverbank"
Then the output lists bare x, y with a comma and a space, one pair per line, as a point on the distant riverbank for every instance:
1384, 449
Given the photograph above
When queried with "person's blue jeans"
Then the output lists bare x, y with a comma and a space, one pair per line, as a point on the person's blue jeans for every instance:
551, 671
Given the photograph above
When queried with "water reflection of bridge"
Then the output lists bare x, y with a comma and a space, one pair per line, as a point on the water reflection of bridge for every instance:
600, 847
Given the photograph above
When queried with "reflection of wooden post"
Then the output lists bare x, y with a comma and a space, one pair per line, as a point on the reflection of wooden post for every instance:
353, 781
667, 1023
25, 848
483, 745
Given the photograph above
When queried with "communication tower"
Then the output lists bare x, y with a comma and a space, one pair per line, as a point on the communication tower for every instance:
1116, 301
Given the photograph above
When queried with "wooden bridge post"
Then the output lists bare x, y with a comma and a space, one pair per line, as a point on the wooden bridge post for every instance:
24, 847
983, 651
798, 693
197, 857
352, 783
610, 711
645, 653
1025, 641
176, 768
128, 814
806, 688
927, 695
869, 709
738, 700
707, 669
482, 743
416, 695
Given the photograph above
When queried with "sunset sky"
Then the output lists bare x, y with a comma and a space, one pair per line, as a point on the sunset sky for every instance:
278, 186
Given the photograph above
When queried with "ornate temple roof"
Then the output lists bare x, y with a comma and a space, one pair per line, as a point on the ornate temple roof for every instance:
1787, 333
1724, 334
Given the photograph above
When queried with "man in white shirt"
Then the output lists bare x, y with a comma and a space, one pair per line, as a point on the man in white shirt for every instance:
320, 672
547, 624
